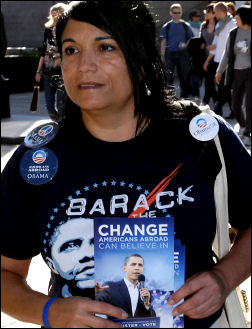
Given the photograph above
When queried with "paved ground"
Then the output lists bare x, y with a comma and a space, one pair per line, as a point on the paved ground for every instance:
19, 124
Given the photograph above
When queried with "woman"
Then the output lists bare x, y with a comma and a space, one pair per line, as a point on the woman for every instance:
195, 21
119, 139
231, 8
237, 60
49, 65
207, 33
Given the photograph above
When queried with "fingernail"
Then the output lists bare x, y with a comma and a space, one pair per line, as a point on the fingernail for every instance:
171, 302
124, 314
174, 313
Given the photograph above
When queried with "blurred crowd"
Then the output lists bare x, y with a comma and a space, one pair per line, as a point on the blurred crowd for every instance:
214, 48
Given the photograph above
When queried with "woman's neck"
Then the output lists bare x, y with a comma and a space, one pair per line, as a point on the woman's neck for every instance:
111, 126
211, 21
245, 27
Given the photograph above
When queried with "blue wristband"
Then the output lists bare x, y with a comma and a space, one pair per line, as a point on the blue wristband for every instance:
45, 311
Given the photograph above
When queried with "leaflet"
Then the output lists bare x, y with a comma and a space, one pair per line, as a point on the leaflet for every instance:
179, 277
135, 268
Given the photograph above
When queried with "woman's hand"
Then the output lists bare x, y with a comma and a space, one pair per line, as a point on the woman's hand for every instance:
207, 293
38, 77
211, 47
79, 312
205, 66
218, 76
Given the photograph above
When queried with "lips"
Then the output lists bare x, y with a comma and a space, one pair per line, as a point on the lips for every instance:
89, 85
86, 273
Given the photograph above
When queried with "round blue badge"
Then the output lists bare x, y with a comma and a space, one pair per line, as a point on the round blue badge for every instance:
41, 135
38, 166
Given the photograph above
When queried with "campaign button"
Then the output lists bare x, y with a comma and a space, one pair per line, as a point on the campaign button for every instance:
37, 167
204, 127
41, 135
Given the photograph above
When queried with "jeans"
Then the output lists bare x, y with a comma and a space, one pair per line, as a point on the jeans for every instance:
210, 90
224, 93
180, 60
242, 85
195, 85
55, 98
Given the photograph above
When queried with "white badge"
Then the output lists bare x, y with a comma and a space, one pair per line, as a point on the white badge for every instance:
204, 127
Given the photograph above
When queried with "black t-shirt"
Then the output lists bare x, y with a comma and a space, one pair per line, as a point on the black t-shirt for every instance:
97, 178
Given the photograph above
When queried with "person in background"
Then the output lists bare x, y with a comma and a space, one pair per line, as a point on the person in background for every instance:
195, 21
236, 60
231, 8
174, 36
197, 55
207, 33
49, 65
224, 25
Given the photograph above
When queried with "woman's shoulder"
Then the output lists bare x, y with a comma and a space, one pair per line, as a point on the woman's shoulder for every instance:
183, 110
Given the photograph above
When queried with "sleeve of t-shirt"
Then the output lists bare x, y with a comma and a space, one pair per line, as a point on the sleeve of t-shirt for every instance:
18, 233
238, 167
214, 43
190, 32
163, 32
224, 59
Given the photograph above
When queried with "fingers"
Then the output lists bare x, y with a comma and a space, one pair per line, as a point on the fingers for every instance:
105, 308
97, 322
190, 287
80, 312
206, 294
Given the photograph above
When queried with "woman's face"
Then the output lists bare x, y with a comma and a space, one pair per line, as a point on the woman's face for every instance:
238, 20
94, 69
209, 15
55, 15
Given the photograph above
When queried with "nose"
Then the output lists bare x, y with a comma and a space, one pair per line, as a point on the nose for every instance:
87, 62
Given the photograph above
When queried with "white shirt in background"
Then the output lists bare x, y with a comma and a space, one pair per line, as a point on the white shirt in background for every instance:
221, 40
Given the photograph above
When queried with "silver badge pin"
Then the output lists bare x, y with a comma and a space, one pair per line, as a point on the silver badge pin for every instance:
41, 135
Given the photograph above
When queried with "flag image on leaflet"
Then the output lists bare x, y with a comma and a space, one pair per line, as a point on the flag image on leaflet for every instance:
134, 268
179, 277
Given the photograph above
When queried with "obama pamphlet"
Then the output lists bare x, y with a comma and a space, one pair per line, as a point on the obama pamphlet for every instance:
138, 266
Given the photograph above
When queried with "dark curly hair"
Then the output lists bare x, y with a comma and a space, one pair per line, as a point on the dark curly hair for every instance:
133, 27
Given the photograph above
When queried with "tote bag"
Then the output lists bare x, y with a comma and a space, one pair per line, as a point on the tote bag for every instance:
221, 244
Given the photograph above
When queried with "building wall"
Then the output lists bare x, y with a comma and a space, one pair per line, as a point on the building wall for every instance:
24, 20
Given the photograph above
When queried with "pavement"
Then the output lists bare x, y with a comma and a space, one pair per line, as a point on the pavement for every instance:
13, 130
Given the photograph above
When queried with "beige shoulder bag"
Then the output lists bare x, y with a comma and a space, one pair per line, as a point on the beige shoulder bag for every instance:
221, 244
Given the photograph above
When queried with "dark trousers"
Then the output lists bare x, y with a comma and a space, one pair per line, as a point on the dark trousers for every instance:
224, 93
55, 98
196, 82
180, 60
210, 89
242, 85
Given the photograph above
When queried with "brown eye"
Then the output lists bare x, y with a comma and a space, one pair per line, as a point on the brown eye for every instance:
70, 51
107, 47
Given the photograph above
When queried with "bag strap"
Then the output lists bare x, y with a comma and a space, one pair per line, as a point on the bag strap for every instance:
221, 244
